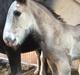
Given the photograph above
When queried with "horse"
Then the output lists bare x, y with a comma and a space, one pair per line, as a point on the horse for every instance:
27, 46
58, 41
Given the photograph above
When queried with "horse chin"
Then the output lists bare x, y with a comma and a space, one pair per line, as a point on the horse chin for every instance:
16, 47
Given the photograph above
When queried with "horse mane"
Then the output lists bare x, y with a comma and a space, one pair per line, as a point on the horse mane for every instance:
58, 17
21, 1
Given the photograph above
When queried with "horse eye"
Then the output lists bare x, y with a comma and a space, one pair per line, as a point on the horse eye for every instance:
17, 13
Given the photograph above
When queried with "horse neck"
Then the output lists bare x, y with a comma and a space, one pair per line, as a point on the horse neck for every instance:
44, 17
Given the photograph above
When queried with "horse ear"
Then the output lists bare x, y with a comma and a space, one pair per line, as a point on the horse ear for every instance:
21, 1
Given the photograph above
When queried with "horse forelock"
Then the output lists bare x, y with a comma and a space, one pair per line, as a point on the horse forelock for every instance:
21, 1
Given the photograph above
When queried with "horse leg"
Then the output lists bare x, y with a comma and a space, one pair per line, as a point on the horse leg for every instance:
61, 61
79, 68
63, 66
38, 52
14, 61
52, 68
44, 65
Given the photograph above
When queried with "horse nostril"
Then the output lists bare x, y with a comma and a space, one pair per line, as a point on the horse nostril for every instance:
10, 41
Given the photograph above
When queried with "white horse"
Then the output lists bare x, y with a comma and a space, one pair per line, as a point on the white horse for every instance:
58, 41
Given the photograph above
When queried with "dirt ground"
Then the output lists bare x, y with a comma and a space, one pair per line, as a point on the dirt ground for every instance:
28, 68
